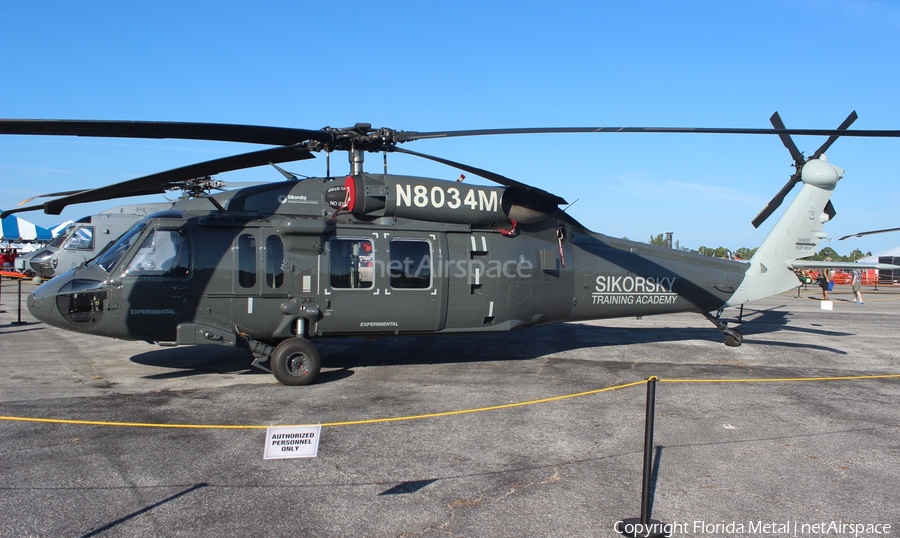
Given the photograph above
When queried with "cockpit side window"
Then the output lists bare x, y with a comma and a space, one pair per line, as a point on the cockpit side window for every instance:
164, 252
82, 239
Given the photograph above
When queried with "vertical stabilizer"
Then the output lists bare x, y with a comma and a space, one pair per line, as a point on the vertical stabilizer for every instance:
796, 235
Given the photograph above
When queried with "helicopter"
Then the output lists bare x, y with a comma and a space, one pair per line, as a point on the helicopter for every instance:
272, 268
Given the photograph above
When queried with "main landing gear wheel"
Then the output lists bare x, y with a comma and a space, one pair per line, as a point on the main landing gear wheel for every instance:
295, 362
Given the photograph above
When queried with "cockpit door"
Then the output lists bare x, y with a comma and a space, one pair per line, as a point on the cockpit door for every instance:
154, 287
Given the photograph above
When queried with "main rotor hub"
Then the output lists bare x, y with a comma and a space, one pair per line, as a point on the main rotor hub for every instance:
360, 137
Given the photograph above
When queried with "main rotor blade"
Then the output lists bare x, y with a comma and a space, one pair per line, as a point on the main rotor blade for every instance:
362, 136
408, 136
8, 212
860, 234
64, 193
224, 132
156, 190
160, 182
843, 127
788, 142
497, 178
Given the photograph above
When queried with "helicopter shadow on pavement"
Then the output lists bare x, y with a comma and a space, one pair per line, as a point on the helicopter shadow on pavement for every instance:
197, 360
341, 355
16, 328
776, 319
541, 341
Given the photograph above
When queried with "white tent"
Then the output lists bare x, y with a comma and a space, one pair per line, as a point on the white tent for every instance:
892, 256
60, 228
892, 253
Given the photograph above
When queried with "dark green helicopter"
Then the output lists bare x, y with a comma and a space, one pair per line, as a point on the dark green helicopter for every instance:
272, 267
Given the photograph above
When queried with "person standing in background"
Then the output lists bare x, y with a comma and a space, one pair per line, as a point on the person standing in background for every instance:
823, 281
857, 286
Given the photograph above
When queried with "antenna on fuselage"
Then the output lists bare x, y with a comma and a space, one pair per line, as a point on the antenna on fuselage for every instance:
289, 175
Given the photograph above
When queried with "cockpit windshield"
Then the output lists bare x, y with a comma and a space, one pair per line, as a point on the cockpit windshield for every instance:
59, 239
114, 254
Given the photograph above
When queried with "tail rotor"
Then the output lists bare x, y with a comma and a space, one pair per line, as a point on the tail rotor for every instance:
799, 161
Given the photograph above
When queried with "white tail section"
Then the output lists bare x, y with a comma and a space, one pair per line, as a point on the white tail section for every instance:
796, 235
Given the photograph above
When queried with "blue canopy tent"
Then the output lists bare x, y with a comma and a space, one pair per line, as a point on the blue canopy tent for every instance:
16, 229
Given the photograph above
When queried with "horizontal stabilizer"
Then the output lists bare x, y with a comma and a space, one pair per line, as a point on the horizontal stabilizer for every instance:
809, 264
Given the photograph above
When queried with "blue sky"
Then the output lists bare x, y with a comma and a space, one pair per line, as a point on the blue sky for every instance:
425, 66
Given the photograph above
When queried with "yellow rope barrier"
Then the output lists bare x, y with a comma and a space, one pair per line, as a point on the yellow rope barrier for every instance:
348, 423
129, 424
451, 413
780, 379
491, 408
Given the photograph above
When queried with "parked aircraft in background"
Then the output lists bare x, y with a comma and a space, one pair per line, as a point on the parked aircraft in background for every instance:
84, 239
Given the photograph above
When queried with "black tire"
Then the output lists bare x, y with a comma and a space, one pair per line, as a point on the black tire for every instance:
735, 339
295, 362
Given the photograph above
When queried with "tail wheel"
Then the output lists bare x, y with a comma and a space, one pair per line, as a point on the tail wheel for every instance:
295, 362
734, 338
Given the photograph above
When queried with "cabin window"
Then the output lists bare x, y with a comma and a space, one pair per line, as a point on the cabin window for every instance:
410, 266
274, 262
246, 261
81, 239
164, 252
352, 263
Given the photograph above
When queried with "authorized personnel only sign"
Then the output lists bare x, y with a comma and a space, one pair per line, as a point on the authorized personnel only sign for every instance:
292, 442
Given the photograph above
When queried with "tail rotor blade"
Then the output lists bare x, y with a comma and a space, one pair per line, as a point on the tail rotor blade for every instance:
786, 139
799, 161
776, 201
843, 127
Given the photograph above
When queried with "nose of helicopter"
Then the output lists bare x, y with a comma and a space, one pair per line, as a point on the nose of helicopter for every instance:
67, 302
44, 262
41, 303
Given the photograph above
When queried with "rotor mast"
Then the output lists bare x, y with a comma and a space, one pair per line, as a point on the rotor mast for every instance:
357, 157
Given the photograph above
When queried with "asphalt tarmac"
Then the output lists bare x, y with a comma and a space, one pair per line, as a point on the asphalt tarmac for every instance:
779, 458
